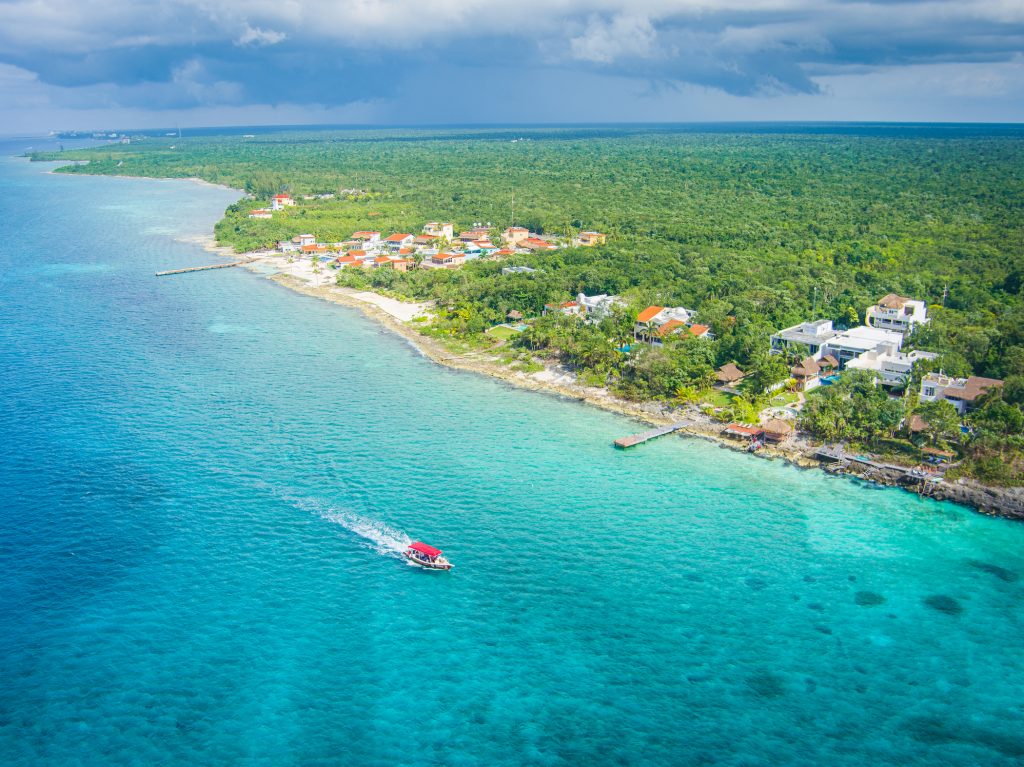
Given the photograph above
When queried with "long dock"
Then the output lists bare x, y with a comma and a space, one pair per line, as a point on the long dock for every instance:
200, 268
647, 436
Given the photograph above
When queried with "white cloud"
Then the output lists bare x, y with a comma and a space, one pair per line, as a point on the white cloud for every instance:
257, 36
623, 36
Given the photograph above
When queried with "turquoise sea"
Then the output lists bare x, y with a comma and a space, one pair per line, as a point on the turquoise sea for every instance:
205, 481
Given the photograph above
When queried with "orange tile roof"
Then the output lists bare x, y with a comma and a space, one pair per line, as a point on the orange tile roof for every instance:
669, 326
649, 313
357, 253
397, 237
699, 330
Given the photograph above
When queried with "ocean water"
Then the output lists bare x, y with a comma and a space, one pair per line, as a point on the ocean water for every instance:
205, 481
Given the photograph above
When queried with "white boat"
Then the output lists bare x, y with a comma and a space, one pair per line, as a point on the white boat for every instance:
426, 557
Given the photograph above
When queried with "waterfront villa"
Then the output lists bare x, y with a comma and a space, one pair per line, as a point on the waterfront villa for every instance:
650, 323
304, 239
811, 335
262, 213
893, 367
729, 375
852, 343
897, 313
961, 393
590, 239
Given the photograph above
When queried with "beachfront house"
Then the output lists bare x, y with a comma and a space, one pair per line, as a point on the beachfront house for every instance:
812, 335
852, 343
281, 201
304, 239
650, 325
897, 313
598, 307
439, 229
959, 392
590, 239
261, 213
729, 375
288, 246
891, 366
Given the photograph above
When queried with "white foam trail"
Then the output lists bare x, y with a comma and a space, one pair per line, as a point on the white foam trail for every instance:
383, 539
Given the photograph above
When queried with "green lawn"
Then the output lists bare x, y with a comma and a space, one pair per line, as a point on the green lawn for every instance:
717, 398
786, 398
502, 332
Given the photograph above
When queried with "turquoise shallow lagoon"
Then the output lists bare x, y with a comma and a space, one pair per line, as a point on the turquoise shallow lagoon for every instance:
206, 479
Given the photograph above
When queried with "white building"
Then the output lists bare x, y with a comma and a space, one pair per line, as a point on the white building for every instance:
892, 366
436, 229
262, 213
854, 342
600, 306
813, 335
959, 392
897, 313
304, 239
281, 201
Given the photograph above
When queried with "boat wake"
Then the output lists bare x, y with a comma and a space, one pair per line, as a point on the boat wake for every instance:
376, 535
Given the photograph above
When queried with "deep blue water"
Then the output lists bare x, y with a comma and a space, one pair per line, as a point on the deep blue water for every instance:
205, 479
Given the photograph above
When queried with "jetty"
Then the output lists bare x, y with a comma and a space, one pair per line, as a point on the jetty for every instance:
201, 268
647, 436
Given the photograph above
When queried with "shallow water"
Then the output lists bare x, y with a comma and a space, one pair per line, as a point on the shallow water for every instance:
207, 480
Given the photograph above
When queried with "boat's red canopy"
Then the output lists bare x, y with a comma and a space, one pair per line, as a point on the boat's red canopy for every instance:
423, 548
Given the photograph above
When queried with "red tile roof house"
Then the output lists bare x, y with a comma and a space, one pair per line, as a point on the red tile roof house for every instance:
347, 260
315, 249
281, 201
532, 243
653, 318
365, 236
515, 234
260, 213
447, 260
569, 308
398, 241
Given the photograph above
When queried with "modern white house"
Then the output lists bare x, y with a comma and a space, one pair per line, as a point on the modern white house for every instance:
813, 335
961, 393
852, 343
892, 366
440, 229
897, 313
600, 306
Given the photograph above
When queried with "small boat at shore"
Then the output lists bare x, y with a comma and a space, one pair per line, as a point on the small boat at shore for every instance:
426, 557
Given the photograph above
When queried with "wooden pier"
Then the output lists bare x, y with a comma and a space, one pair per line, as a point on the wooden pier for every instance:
647, 436
201, 268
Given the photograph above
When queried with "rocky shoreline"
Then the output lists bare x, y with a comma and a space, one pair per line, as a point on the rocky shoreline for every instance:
1000, 502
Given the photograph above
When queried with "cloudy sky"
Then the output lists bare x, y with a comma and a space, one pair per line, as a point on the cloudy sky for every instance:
157, 63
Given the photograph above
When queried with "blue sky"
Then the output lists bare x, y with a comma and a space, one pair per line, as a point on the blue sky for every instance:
153, 63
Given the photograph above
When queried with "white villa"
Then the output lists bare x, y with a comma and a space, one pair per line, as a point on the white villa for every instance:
892, 366
897, 313
959, 392
852, 343
813, 335
600, 306
437, 229
281, 201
